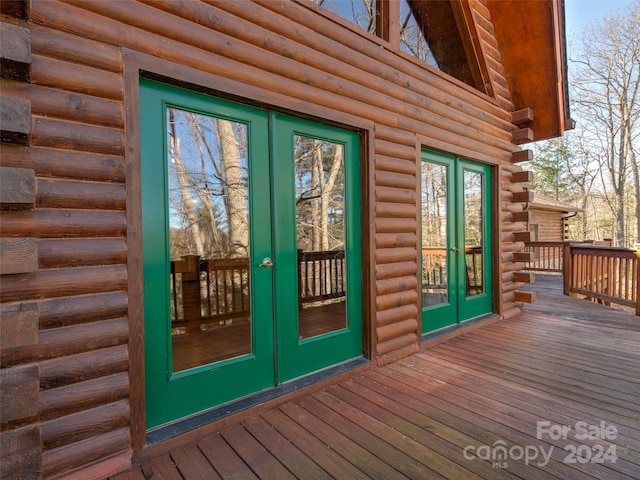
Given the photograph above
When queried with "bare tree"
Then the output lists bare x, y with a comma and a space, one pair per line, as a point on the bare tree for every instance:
236, 197
183, 182
360, 12
606, 84
581, 175
326, 189
632, 147
319, 194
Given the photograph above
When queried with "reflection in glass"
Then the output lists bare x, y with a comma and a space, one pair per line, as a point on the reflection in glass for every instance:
412, 38
362, 13
320, 234
434, 234
473, 231
209, 238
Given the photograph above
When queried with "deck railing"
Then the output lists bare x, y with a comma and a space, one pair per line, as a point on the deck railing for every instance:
215, 289
321, 275
434, 268
218, 289
602, 273
546, 256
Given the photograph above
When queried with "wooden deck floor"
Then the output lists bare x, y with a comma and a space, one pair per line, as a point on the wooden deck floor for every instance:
514, 384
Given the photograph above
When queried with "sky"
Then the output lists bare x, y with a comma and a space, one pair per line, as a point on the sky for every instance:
579, 13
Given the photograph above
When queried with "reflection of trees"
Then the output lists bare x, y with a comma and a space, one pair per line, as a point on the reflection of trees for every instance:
319, 194
207, 186
358, 12
473, 209
434, 204
412, 38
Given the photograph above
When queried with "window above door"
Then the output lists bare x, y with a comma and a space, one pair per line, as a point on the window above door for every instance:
439, 33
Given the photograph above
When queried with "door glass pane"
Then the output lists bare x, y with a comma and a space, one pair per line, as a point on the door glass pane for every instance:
434, 234
209, 237
320, 234
474, 231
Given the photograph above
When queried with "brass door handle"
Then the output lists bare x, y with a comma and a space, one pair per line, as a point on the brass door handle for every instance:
266, 263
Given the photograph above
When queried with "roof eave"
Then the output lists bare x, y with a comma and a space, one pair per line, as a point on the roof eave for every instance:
532, 42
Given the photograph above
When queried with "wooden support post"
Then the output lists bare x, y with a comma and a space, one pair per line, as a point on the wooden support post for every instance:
526, 277
522, 156
191, 299
524, 257
523, 135
19, 325
522, 116
21, 452
526, 297
16, 52
522, 236
15, 120
524, 176
523, 197
19, 392
567, 268
524, 216
17, 187
18, 255
637, 281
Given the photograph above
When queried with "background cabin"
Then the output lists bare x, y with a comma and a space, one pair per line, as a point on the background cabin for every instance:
207, 205
549, 219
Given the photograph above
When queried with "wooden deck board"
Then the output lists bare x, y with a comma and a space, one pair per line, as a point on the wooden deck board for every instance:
412, 392
282, 448
536, 401
191, 463
161, 467
377, 447
335, 465
519, 415
561, 361
337, 437
227, 463
434, 452
253, 453
599, 384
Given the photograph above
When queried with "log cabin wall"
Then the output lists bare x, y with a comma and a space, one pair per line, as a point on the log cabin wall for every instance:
75, 301
550, 225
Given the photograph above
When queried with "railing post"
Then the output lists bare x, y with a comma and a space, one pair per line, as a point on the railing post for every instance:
638, 281
567, 268
191, 301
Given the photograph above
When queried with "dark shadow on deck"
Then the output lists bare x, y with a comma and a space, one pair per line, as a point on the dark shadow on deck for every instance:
561, 362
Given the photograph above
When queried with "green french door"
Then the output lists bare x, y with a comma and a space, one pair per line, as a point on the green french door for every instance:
251, 246
455, 239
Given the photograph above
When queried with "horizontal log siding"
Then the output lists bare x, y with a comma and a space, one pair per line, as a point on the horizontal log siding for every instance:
317, 67
550, 225
508, 244
396, 176
505, 285
489, 46
78, 224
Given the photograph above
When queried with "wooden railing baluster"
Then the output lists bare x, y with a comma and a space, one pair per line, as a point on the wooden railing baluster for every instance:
603, 274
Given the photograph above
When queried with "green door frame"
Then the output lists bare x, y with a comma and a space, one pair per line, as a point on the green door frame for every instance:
471, 306
296, 356
459, 307
277, 355
165, 390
